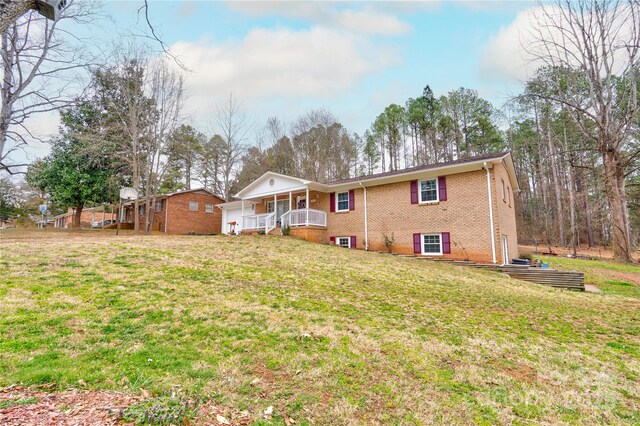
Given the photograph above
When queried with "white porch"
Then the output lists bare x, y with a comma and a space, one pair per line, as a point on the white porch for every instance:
291, 218
286, 201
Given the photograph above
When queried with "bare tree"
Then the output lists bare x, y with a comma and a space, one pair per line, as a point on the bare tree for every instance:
165, 89
233, 125
129, 110
595, 45
41, 62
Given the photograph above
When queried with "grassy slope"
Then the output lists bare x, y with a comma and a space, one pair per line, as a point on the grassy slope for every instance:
335, 336
610, 277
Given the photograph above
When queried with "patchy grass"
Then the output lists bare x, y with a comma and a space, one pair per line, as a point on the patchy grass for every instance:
611, 277
324, 335
8, 403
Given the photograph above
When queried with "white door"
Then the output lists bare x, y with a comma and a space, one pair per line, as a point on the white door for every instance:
505, 250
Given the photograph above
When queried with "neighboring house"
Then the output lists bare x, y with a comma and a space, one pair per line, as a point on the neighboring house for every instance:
460, 209
185, 212
88, 216
232, 213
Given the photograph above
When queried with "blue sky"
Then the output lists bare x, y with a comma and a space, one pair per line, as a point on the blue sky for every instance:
284, 58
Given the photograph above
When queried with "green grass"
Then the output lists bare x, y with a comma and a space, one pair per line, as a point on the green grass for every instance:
324, 335
8, 403
611, 277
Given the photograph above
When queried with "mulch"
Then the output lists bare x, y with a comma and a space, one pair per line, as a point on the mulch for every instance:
46, 406
70, 407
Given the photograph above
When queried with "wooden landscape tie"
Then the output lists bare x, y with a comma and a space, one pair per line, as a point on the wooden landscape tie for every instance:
552, 277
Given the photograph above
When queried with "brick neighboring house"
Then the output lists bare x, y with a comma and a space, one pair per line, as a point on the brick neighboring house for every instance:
185, 212
460, 209
88, 215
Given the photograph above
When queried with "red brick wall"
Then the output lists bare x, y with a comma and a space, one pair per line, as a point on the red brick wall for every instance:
183, 221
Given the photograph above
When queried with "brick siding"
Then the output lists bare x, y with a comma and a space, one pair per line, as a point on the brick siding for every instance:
465, 215
183, 221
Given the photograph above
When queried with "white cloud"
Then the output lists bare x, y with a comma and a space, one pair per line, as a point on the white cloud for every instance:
514, 52
504, 56
278, 64
367, 20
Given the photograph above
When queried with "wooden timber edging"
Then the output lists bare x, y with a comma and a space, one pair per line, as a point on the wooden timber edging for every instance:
571, 280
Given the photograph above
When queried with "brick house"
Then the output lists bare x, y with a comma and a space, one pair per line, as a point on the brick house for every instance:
460, 209
87, 217
184, 212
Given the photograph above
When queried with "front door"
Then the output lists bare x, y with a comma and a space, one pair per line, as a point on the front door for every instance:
302, 203
281, 208
505, 250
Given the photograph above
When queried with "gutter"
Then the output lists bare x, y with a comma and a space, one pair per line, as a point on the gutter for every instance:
493, 237
366, 221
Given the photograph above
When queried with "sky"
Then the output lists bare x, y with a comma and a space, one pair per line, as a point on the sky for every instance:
351, 58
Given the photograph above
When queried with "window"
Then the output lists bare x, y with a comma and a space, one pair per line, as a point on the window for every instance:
431, 244
193, 206
509, 195
342, 202
429, 190
159, 206
343, 242
504, 193
208, 208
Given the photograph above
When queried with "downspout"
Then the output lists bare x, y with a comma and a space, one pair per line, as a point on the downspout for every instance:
493, 237
166, 214
366, 225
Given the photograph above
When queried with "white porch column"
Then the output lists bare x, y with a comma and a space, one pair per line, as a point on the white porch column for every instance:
242, 213
290, 200
307, 203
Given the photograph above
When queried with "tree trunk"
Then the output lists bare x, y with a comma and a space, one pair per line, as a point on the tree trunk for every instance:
572, 211
77, 215
614, 184
584, 186
187, 175
556, 186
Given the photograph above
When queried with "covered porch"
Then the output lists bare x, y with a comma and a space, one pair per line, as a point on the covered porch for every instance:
281, 202
283, 211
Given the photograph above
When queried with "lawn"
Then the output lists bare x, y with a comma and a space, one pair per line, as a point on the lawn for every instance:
324, 335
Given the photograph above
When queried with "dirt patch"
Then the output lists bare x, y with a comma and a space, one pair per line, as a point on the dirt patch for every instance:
29, 406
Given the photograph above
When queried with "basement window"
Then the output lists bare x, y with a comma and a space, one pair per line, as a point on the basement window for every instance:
431, 244
343, 242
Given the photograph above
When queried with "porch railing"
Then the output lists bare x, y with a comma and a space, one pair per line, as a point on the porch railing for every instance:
304, 217
266, 221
